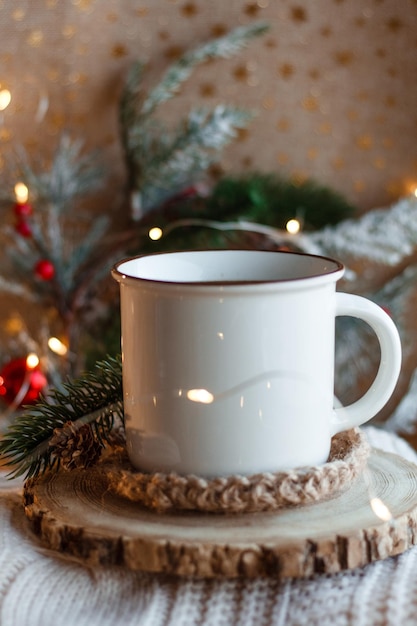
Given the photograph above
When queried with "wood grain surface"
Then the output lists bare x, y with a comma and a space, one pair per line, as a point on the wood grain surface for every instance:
74, 513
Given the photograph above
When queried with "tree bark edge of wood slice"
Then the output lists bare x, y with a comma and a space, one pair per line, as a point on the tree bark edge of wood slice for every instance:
75, 514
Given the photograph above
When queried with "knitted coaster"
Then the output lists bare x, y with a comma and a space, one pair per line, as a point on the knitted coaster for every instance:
239, 494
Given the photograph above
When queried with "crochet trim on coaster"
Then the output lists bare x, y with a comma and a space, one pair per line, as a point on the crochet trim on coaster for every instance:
245, 494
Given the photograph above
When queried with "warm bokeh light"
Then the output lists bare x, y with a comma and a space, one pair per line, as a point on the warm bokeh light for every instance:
32, 361
5, 99
57, 346
409, 188
293, 226
14, 325
21, 193
155, 233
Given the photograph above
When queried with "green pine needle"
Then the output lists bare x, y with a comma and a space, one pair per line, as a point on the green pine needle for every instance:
221, 47
70, 175
60, 232
160, 159
95, 398
180, 156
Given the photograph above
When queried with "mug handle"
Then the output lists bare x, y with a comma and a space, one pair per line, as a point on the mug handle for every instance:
386, 379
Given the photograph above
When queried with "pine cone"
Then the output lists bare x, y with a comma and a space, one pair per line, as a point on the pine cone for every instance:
75, 447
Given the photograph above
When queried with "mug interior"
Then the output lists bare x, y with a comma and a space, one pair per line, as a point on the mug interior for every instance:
227, 266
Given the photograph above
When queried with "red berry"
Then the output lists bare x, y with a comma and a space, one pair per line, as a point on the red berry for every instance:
44, 269
37, 380
23, 228
23, 210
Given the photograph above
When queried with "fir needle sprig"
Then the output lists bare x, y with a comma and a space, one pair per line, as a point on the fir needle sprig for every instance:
95, 399
60, 235
220, 48
160, 161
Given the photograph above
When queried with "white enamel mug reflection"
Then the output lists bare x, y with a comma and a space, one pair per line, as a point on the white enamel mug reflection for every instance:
228, 360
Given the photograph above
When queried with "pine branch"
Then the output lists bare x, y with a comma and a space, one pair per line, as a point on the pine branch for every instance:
404, 418
355, 357
396, 295
353, 362
213, 130
71, 175
93, 399
18, 289
175, 160
385, 236
82, 253
146, 141
129, 104
63, 237
222, 47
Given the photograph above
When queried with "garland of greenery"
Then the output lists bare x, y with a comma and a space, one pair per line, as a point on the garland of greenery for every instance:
258, 198
273, 199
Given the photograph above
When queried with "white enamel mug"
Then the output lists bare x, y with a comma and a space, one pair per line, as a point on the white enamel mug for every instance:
228, 360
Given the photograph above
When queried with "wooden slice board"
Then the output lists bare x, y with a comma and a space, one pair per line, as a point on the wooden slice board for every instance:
73, 512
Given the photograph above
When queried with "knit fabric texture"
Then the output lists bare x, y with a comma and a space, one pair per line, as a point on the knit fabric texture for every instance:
42, 588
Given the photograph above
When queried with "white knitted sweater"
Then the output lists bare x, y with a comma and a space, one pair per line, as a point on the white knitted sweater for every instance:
40, 588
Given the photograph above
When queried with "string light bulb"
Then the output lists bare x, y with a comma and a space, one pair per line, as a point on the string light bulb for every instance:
21, 192
32, 361
57, 346
5, 99
155, 233
293, 226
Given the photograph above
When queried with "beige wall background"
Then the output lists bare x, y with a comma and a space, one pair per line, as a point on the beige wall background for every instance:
333, 83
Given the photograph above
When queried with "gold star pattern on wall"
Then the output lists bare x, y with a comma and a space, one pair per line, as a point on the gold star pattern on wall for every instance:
331, 82
83, 5
207, 90
394, 24
344, 57
189, 9
364, 142
35, 38
119, 50
298, 14
310, 103
241, 73
286, 70
252, 9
